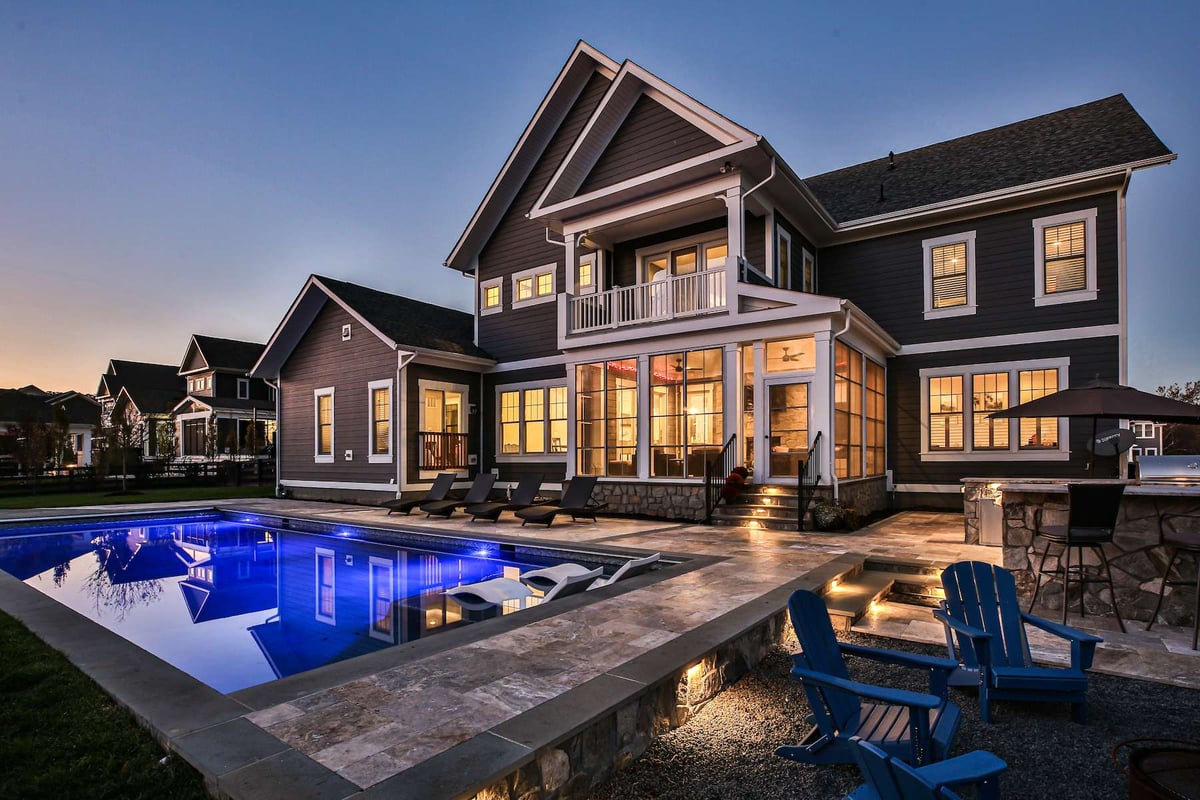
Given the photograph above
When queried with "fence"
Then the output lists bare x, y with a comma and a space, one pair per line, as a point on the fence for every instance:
142, 475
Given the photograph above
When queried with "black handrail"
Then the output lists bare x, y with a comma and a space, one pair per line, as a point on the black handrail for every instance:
809, 470
716, 470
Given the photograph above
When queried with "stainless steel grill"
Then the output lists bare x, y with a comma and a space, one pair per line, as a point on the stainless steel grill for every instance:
1169, 469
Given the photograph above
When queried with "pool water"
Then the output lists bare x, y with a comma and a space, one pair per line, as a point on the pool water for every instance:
237, 602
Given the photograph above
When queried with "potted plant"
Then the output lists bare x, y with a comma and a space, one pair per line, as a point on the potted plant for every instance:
734, 483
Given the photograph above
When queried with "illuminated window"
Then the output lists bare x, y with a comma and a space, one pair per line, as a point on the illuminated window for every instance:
686, 412
380, 393
325, 597
949, 275
946, 413
1038, 433
989, 393
383, 601
875, 411
533, 286
606, 396
533, 420
324, 425
490, 300
1065, 258
585, 274
848, 411
791, 355
783, 258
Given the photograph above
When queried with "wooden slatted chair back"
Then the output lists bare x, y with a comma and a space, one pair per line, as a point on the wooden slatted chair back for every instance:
985, 596
820, 653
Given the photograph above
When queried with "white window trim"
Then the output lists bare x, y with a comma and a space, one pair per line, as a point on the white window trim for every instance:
532, 274
773, 268
1151, 451
322, 552
805, 253
442, 386
318, 457
1014, 453
243, 388
372, 456
372, 562
596, 263
346, 332
497, 283
927, 247
545, 386
1040, 298
699, 241
1135, 452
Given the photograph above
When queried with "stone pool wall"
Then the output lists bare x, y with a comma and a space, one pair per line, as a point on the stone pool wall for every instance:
1136, 556
576, 766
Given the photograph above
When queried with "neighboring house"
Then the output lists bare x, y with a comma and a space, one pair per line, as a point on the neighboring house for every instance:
29, 404
377, 392
145, 393
655, 284
1148, 439
226, 412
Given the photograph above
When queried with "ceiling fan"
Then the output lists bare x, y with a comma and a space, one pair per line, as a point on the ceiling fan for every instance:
787, 357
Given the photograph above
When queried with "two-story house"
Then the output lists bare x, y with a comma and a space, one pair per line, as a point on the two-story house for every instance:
657, 286
226, 412
144, 394
69, 415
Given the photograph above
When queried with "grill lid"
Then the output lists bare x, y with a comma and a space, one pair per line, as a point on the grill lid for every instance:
1175, 469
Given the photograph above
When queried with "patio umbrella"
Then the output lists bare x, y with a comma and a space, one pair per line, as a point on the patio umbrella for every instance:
1103, 399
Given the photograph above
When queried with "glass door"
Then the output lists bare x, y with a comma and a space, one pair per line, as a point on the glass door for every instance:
787, 427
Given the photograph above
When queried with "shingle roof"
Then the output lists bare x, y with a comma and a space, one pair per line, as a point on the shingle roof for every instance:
228, 353
410, 322
1103, 133
18, 405
141, 373
153, 400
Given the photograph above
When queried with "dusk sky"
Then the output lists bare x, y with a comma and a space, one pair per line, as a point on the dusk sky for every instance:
170, 168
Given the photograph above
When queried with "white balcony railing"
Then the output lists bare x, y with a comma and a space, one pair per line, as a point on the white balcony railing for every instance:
662, 299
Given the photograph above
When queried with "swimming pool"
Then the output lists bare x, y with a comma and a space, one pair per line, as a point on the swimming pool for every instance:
235, 600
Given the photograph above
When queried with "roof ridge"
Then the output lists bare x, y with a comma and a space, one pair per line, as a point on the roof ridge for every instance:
332, 282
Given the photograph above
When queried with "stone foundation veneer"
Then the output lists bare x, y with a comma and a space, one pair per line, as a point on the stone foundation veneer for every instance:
678, 501
1136, 556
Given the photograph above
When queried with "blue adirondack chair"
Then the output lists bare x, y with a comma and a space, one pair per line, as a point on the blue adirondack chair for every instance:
981, 614
889, 778
918, 728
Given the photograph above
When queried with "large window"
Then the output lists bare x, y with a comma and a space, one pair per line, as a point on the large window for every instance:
606, 397
442, 432
949, 275
382, 594
858, 414
1065, 258
380, 396
685, 257
533, 421
323, 439
534, 286
325, 596
951, 434
686, 412
490, 299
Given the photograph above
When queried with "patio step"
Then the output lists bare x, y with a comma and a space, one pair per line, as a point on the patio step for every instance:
879, 579
763, 506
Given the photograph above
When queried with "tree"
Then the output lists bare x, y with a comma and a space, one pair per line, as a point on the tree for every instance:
60, 436
1181, 437
120, 436
165, 443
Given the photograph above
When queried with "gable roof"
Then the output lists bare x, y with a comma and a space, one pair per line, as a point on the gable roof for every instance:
401, 323
583, 62
225, 354
1104, 134
18, 405
151, 400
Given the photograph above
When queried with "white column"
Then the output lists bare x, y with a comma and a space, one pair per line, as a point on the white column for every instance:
820, 400
643, 422
737, 245
571, 253
762, 453
572, 421
733, 396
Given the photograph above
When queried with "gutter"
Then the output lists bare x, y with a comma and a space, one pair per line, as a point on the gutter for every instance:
833, 481
278, 448
742, 210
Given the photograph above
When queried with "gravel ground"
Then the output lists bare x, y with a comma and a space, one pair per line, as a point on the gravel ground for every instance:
727, 750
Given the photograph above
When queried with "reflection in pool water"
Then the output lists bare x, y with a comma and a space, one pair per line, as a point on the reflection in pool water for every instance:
238, 603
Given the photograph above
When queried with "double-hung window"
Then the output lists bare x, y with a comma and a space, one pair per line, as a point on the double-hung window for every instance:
243, 388
533, 286
379, 396
949, 433
1065, 258
949, 268
533, 420
323, 419
490, 299
326, 607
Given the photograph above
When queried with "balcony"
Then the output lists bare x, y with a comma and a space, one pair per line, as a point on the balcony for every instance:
441, 451
666, 298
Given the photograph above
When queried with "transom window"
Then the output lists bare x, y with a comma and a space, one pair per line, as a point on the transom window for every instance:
534, 286
949, 275
791, 355
533, 421
1065, 258
686, 412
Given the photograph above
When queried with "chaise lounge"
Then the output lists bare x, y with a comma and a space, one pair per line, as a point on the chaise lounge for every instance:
481, 487
491, 593
546, 579
523, 496
440, 489
576, 501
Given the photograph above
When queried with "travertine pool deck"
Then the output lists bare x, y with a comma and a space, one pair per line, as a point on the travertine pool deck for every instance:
437, 717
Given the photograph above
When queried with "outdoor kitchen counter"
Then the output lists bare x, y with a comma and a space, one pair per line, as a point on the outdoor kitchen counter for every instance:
1004, 512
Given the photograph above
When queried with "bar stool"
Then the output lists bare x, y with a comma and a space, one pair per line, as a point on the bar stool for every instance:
1091, 521
1182, 543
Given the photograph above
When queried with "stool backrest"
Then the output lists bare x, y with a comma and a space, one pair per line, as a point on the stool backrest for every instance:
1095, 505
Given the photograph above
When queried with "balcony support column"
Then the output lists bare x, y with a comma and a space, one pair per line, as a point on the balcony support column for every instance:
571, 262
735, 219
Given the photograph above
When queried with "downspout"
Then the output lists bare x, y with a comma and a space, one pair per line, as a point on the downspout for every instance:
742, 209
1123, 307
402, 359
833, 481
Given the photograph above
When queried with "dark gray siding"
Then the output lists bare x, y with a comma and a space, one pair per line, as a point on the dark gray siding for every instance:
1089, 358
322, 359
651, 137
799, 242
884, 276
551, 471
414, 373
625, 253
756, 241
520, 244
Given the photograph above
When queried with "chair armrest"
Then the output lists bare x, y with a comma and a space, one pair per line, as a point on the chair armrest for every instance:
1083, 645
899, 658
976, 635
896, 697
973, 767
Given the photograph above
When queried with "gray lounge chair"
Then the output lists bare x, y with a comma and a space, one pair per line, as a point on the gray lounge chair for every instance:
522, 497
547, 578
441, 487
576, 501
479, 491
488, 594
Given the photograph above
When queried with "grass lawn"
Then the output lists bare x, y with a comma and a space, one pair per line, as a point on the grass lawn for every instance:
168, 495
61, 736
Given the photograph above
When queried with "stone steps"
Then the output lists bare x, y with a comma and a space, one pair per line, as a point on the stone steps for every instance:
850, 597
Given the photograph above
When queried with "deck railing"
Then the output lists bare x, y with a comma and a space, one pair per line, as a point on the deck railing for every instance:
442, 450
716, 470
809, 470
660, 300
